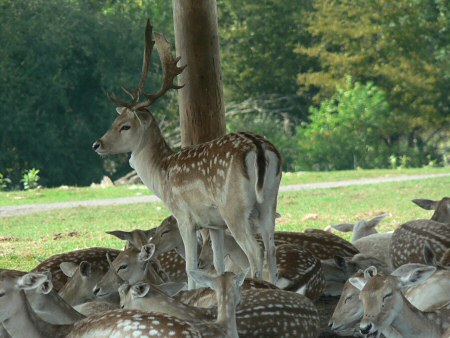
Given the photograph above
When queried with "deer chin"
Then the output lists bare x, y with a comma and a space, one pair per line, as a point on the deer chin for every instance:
375, 334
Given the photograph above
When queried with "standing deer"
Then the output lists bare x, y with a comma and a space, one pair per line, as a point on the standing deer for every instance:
232, 180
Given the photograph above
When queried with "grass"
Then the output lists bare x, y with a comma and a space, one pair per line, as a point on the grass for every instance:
66, 194
40, 235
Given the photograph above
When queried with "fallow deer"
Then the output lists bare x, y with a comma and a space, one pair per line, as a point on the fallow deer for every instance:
95, 256
367, 239
131, 265
409, 238
20, 320
385, 305
230, 181
298, 269
261, 312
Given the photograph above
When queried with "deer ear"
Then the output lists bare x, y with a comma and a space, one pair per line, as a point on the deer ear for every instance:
370, 272
426, 204
147, 252
120, 110
123, 235
429, 255
416, 276
240, 277
374, 221
68, 268
343, 227
140, 289
85, 269
31, 281
358, 282
47, 287
144, 117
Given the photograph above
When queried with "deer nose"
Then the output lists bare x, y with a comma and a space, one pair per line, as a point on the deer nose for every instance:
330, 324
96, 145
96, 290
366, 329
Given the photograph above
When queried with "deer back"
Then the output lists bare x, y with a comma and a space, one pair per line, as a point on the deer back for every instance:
95, 256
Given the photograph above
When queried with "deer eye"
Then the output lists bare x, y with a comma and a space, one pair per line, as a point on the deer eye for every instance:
122, 267
2, 294
387, 296
348, 298
165, 232
126, 127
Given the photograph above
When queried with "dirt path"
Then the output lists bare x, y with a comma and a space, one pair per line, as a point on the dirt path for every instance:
30, 208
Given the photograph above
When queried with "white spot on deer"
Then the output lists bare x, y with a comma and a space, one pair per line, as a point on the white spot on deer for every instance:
153, 332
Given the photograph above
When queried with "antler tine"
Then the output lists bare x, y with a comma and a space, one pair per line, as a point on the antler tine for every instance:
144, 72
170, 71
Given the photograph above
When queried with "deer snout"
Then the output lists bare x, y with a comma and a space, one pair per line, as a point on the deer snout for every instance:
96, 145
96, 290
365, 329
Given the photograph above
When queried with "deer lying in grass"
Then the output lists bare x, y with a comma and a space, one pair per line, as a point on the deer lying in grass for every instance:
409, 238
230, 181
385, 305
261, 312
131, 265
298, 269
367, 239
169, 261
95, 256
20, 320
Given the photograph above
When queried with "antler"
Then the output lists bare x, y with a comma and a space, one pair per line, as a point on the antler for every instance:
170, 71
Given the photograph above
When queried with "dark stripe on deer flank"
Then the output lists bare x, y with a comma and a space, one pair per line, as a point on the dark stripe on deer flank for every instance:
260, 159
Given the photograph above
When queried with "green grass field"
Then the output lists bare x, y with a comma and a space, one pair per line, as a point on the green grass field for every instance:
65, 194
40, 235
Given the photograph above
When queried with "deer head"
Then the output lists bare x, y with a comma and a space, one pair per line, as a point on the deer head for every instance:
127, 131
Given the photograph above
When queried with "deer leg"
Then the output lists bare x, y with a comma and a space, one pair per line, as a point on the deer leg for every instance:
187, 231
243, 235
217, 240
267, 228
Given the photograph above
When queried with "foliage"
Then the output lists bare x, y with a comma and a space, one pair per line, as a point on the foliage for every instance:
403, 47
65, 56
352, 129
30, 179
258, 54
4, 182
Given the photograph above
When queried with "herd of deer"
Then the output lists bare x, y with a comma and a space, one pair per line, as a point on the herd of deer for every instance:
217, 267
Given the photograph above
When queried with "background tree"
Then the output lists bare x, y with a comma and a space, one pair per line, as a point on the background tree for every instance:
400, 46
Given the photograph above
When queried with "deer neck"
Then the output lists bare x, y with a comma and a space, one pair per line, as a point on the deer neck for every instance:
148, 157
25, 323
411, 322
226, 315
53, 308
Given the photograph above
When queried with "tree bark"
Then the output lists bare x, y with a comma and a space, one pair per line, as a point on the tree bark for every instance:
201, 104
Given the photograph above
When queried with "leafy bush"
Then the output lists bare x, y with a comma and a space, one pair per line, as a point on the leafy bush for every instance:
4, 182
352, 129
30, 179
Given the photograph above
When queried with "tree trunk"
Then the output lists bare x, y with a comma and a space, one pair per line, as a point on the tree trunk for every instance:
201, 104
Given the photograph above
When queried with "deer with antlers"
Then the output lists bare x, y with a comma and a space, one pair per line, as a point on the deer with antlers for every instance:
231, 181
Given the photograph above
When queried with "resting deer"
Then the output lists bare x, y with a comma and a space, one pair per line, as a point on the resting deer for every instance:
230, 181
261, 312
298, 269
366, 238
95, 256
169, 261
409, 238
21, 321
132, 265
385, 305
